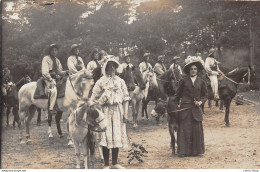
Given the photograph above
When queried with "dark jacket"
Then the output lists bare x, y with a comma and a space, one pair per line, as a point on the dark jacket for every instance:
188, 93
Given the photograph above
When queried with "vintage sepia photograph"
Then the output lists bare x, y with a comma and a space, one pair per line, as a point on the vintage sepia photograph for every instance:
130, 84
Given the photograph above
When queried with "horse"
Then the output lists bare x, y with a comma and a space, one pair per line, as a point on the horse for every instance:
167, 85
139, 91
77, 88
11, 99
83, 120
228, 86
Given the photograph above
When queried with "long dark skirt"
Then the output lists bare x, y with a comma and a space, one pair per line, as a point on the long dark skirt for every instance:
190, 137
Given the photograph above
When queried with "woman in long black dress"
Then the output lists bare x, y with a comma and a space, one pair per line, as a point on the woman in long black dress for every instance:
192, 91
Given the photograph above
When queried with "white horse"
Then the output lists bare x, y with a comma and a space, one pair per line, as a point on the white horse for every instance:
81, 122
77, 88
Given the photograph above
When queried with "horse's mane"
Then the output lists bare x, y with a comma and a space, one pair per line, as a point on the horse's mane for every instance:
238, 72
166, 75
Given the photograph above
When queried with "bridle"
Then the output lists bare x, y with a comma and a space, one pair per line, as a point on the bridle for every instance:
248, 73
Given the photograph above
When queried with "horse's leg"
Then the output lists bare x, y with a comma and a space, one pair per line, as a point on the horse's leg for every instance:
143, 107
146, 113
138, 105
57, 119
171, 131
49, 123
216, 101
16, 116
227, 102
134, 113
32, 110
77, 153
85, 151
202, 108
221, 107
7, 115
209, 103
39, 111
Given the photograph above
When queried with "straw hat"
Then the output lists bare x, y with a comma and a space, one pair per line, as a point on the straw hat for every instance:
211, 51
146, 54
160, 57
119, 68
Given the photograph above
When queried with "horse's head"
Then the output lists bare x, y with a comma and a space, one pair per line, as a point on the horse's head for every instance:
139, 78
250, 77
128, 77
83, 82
91, 116
150, 76
96, 119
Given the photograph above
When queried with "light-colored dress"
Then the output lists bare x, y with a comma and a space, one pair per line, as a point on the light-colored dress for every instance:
111, 93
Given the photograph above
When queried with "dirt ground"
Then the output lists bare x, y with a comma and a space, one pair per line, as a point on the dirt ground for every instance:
236, 147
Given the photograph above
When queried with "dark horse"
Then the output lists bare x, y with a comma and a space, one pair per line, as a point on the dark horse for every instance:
167, 85
11, 99
228, 86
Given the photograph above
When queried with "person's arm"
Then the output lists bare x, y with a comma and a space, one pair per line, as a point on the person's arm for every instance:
71, 65
203, 94
141, 67
91, 65
82, 63
45, 69
207, 66
157, 69
179, 67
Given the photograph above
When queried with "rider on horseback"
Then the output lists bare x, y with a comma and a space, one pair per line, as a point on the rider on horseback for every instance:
175, 64
127, 62
159, 67
212, 69
144, 65
51, 71
94, 62
75, 63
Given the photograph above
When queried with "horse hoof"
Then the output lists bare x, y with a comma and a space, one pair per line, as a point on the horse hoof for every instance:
22, 142
50, 135
227, 124
78, 167
61, 136
135, 125
29, 141
70, 143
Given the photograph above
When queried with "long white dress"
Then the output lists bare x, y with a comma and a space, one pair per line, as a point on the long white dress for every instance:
111, 92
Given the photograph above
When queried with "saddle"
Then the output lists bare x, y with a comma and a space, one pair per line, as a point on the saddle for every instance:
41, 91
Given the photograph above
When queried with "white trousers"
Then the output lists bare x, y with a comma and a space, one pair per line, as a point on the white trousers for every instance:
52, 90
214, 85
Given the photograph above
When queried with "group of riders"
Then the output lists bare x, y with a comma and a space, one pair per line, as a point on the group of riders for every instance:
52, 70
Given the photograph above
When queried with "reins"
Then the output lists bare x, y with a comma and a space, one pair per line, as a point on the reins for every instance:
235, 81
78, 95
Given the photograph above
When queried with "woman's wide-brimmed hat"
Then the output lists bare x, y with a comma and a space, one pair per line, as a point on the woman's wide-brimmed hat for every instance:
160, 57
111, 58
193, 60
211, 51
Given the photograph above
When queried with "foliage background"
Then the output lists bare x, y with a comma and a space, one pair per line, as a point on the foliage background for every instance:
171, 27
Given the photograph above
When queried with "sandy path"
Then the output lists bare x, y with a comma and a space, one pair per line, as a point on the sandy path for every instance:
235, 147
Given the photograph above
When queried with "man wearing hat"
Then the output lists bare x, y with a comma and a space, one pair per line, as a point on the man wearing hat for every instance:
159, 67
144, 65
175, 64
211, 67
191, 93
93, 64
127, 62
52, 70
75, 63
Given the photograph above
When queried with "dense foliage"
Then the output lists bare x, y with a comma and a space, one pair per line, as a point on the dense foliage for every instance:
170, 27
